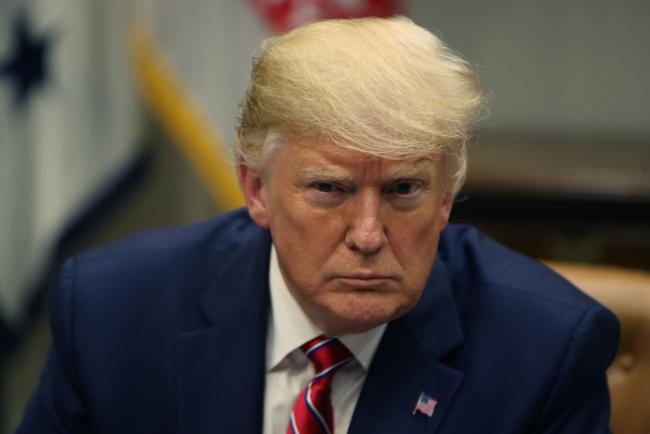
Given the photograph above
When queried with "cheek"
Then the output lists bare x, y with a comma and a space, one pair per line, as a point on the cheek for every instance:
414, 242
415, 233
303, 228
306, 239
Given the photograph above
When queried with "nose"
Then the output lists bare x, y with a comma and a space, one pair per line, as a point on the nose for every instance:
366, 232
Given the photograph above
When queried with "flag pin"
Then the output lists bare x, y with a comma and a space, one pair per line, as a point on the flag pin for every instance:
425, 405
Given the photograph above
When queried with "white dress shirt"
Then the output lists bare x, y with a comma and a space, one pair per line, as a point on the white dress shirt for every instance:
288, 370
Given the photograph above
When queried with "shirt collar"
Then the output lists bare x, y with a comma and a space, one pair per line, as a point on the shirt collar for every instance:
289, 327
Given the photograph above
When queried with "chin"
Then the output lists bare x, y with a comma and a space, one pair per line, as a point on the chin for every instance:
359, 313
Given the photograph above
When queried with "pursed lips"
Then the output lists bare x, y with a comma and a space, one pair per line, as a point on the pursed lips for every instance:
364, 280
365, 276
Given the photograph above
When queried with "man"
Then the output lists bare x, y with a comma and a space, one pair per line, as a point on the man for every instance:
338, 302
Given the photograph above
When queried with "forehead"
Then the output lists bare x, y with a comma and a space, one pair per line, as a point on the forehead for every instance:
313, 156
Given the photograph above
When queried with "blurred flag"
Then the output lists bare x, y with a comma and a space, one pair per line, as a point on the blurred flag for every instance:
68, 127
69, 118
193, 63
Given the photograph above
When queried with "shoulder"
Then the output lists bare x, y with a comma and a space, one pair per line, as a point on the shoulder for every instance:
493, 284
137, 294
160, 270
164, 252
525, 311
529, 333
219, 233
474, 259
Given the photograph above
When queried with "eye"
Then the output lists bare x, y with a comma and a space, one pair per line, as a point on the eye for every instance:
324, 187
403, 188
325, 194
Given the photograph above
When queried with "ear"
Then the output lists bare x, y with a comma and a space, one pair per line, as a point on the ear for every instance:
252, 185
446, 205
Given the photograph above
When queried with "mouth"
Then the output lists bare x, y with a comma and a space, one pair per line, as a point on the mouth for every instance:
364, 281
365, 276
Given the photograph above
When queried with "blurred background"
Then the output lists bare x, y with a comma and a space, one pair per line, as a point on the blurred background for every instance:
118, 116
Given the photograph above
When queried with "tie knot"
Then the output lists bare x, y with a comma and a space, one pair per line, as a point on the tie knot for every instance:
327, 355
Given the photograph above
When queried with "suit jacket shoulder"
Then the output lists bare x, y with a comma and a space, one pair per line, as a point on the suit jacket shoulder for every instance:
554, 341
141, 327
475, 259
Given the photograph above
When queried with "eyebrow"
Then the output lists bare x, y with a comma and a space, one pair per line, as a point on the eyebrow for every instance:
414, 171
314, 174
418, 169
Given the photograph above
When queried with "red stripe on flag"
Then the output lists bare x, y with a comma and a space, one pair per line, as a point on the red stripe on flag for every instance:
284, 15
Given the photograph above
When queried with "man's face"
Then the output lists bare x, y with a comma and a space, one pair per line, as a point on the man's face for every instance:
356, 235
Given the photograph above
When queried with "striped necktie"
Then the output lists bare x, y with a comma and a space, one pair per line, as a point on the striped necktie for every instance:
312, 412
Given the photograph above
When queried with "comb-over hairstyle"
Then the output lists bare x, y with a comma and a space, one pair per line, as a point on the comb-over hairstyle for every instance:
385, 87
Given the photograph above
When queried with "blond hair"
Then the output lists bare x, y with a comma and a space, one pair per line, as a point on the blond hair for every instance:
385, 87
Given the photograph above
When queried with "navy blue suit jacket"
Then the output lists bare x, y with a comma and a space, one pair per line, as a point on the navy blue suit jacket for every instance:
166, 333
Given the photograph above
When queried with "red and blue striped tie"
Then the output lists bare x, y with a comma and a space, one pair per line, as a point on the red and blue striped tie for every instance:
312, 413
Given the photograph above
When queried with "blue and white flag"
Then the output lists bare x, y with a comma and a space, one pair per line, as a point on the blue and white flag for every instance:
68, 126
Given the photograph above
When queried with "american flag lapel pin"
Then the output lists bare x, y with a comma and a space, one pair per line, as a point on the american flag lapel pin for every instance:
425, 405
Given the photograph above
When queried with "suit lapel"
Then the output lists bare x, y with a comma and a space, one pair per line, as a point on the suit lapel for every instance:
221, 368
407, 363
